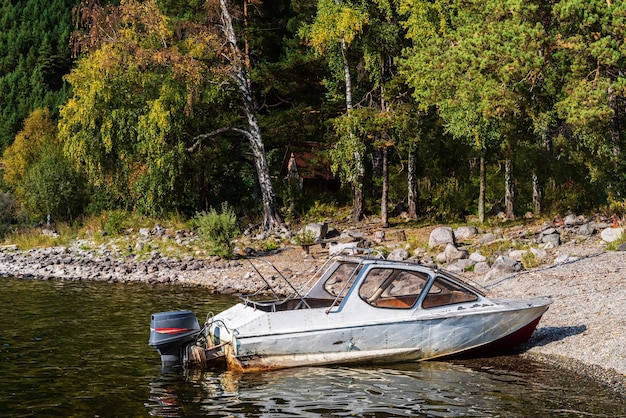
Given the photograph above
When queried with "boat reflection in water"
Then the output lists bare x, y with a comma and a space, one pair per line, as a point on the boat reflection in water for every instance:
500, 386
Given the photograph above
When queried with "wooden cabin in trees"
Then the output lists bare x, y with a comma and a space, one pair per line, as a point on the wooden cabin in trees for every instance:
307, 165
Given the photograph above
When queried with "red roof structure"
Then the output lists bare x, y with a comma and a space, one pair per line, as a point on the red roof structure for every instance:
309, 163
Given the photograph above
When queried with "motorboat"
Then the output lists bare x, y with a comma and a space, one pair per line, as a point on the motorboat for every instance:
357, 308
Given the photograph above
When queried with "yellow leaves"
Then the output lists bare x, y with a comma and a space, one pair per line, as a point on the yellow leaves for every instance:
146, 39
39, 131
336, 22
160, 58
350, 23
144, 18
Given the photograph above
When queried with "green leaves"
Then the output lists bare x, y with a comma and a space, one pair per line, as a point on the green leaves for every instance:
217, 230
347, 152
125, 124
40, 175
335, 20
53, 187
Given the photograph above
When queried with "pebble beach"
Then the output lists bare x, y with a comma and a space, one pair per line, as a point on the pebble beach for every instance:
584, 330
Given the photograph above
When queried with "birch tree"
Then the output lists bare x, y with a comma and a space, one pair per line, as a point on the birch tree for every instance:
336, 26
238, 72
134, 87
363, 35
135, 91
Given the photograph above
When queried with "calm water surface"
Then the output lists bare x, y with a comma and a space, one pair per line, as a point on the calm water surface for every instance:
79, 349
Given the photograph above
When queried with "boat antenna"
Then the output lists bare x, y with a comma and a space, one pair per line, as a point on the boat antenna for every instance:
297, 294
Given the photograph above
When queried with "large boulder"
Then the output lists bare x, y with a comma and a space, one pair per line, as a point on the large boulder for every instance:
315, 231
487, 238
464, 232
573, 220
459, 266
399, 254
441, 236
612, 234
503, 266
481, 267
587, 229
452, 253
477, 257
550, 236
517, 255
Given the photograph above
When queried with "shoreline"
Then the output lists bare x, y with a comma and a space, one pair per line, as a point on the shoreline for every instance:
583, 331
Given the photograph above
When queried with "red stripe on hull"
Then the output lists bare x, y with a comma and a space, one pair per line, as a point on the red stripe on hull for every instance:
505, 343
172, 331
518, 337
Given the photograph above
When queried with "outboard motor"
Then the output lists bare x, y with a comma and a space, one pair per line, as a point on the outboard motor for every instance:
170, 331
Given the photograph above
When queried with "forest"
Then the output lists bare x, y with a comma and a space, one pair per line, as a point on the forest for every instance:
435, 109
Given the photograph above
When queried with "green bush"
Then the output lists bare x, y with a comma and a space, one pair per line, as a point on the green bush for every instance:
217, 230
115, 222
9, 209
52, 186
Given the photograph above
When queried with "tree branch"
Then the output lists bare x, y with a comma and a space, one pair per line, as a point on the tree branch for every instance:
199, 138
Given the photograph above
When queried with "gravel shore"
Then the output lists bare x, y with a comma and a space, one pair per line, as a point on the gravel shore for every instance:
584, 330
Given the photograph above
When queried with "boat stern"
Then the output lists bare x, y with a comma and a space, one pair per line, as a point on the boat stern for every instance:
170, 332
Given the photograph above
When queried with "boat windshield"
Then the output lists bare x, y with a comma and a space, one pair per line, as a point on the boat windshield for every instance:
393, 288
342, 278
445, 292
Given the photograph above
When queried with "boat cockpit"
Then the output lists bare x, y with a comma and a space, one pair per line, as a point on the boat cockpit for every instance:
387, 284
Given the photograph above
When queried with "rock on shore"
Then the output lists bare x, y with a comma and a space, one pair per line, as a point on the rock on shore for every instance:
584, 329
223, 276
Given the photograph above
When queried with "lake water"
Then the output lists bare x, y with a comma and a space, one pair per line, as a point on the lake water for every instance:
79, 349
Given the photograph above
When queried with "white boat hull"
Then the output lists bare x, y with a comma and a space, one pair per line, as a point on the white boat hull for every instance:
408, 340
363, 309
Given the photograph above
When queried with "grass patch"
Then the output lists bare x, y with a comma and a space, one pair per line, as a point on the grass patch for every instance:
530, 260
323, 212
27, 238
115, 230
612, 246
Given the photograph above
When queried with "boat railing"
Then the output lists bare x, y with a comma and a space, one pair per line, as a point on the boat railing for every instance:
472, 285
280, 302
296, 294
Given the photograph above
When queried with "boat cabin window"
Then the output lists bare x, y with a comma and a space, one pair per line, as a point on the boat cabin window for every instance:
337, 284
392, 288
444, 292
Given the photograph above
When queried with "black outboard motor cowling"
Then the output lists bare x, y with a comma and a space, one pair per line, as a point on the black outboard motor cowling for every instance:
170, 331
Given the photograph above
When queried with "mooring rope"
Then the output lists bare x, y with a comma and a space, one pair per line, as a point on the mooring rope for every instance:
543, 269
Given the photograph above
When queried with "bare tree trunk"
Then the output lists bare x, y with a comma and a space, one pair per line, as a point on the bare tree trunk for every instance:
509, 191
481, 188
385, 194
536, 194
615, 122
412, 181
271, 216
358, 204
